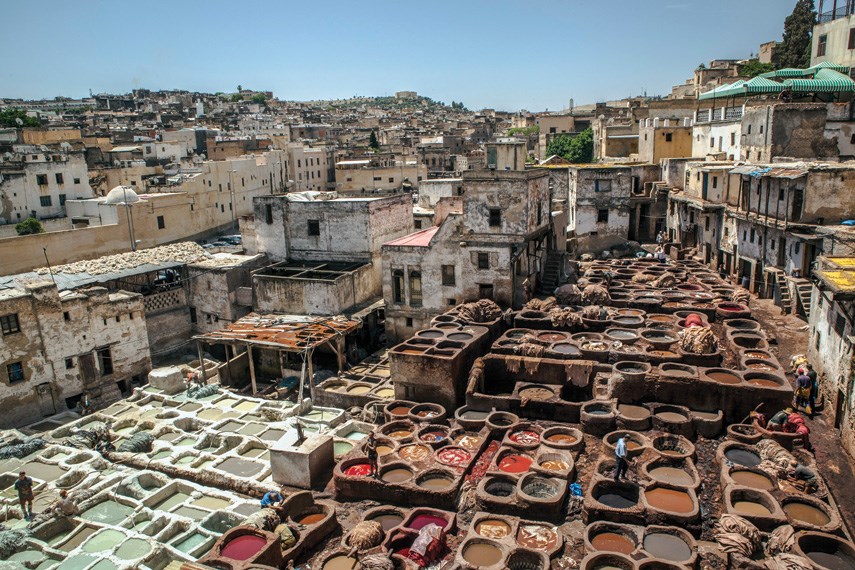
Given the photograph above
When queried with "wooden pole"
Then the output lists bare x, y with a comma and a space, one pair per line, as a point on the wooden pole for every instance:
339, 352
251, 369
228, 366
202, 361
310, 374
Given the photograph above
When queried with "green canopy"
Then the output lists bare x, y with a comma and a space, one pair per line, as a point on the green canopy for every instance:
751, 87
824, 81
828, 65
825, 77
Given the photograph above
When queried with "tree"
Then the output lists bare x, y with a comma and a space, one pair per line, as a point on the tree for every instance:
235, 97
10, 117
794, 50
575, 148
29, 226
754, 68
259, 98
373, 142
240, 88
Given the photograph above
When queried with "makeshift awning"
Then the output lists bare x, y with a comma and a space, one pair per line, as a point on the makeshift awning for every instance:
806, 237
828, 65
789, 173
291, 333
825, 81
746, 169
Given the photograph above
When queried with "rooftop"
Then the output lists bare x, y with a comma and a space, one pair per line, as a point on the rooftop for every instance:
418, 239
287, 332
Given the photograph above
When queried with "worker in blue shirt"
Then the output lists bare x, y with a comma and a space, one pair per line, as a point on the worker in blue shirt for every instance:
620, 458
271, 499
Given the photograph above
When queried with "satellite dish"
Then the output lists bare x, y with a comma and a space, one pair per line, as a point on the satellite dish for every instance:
18, 121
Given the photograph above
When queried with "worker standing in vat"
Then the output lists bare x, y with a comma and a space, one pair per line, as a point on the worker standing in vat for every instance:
620, 458
371, 451
24, 486
803, 476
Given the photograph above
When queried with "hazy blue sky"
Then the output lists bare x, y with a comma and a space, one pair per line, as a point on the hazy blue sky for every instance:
504, 54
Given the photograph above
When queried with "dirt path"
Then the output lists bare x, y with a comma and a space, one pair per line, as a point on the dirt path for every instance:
790, 335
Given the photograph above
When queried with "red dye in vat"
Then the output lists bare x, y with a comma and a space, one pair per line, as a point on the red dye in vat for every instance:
358, 470
424, 520
514, 463
243, 547
453, 456
525, 437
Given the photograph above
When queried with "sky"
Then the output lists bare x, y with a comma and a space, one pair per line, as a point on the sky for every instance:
501, 54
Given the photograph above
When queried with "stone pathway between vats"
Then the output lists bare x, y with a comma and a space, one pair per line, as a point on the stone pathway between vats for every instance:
836, 466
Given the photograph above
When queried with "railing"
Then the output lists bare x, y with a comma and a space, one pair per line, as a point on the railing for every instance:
733, 113
704, 116
164, 301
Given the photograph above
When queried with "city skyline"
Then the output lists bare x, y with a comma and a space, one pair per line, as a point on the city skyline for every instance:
468, 56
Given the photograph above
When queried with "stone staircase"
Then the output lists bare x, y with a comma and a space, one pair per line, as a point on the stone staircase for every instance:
803, 291
783, 290
552, 272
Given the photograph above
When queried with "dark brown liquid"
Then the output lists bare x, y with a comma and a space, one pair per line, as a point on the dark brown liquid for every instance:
806, 513
750, 508
751, 479
670, 500
673, 475
562, 438
613, 542
724, 377
481, 554
389, 520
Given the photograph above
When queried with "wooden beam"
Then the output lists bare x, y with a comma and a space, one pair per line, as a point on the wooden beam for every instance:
202, 361
251, 369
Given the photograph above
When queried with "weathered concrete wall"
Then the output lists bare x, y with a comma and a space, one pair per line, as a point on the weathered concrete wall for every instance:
654, 143
314, 296
794, 130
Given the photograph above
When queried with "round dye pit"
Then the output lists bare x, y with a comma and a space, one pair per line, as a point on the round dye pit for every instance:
742, 457
310, 518
415, 452
670, 500
423, 519
243, 547
514, 463
536, 393
613, 542
385, 393
616, 501
763, 383
358, 470
132, 549
750, 508
342, 447
667, 546
673, 475
359, 389
104, 540
752, 480
453, 456
460, 336
539, 488
400, 434
633, 412
388, 520
806, 513
340, 562
397, 475
525, 437
499, 488
554, 465
468, 441
537, 537
566, 348
562, 438
436, 482
482, 554
474, 415
492, 528
723, 377
672, 417
433, 436
400, 410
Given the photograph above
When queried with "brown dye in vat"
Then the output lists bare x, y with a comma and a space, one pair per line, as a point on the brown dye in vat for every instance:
553, 465
613, 542
396, 475
435, 483
723, 377
468, 441
427, 413
340, 563
671, 417
493, 528
414, 452
667, 546
673, 475
384, 449
388, 520
706, 415
632, 445
400, 410
311, 518
482, 554
633, 412
670, 500
536, 394
400, 434
760, 355
838, 560
751, 479
750, 508
762, 368
806, 513
562, 438
537, 537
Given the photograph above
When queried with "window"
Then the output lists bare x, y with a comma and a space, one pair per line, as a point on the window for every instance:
62, 199
450, 302
668, 137
495, 217
752, 235
314, 227
726, 231
45, 201
415, 289
397, 286
485, 290
376, 178
105, 361
409, 322
391, 178
821, 45
602, 185
707, 223
417, 224
41, 179
10, 324
715, 181
732, 139
761, 129
483, 260
268, 213
59, 178
161, 223
77, 181
66, 316
15, 372
194, 317
749, 129
602, 216
448, 278
851, 44
771, 244
712, 142
69, 363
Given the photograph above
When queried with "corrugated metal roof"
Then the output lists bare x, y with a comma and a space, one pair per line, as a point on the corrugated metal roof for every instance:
418, 239
789, 173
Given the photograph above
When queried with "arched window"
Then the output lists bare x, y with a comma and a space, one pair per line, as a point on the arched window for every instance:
415, 289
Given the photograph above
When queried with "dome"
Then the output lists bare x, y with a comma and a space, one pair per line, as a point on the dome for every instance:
121, 195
